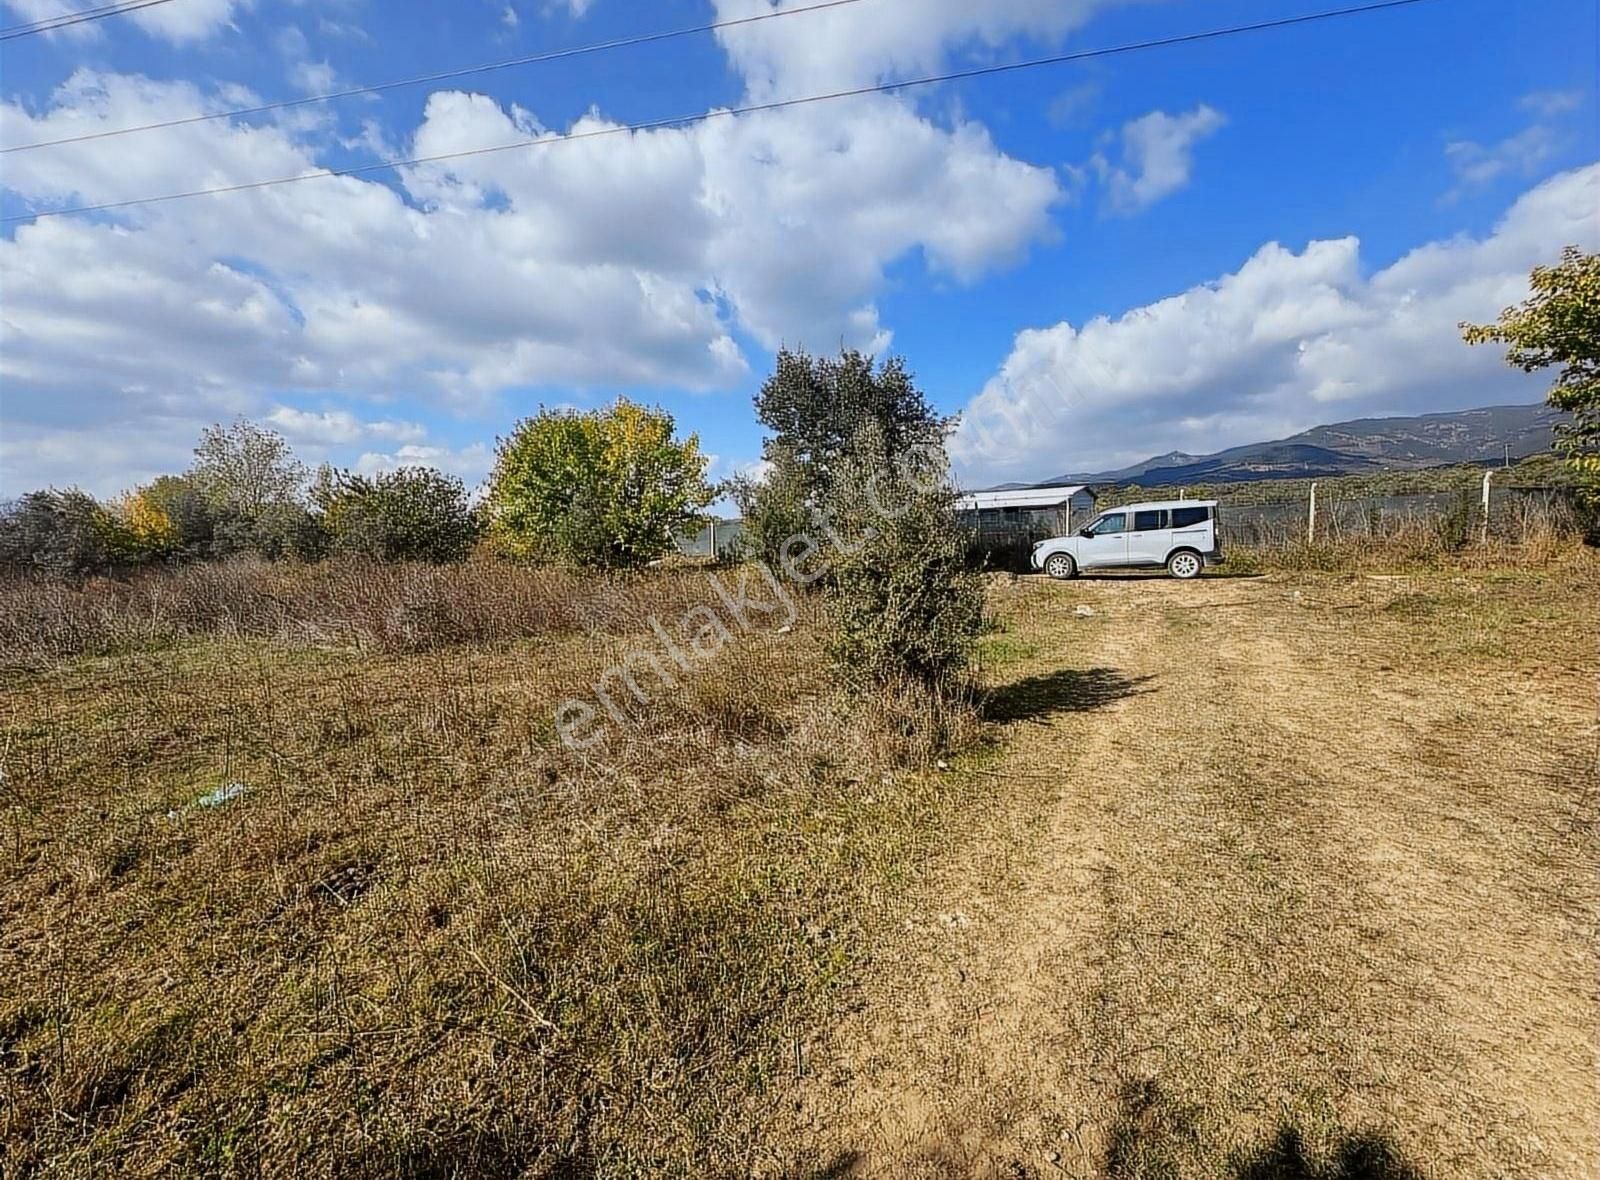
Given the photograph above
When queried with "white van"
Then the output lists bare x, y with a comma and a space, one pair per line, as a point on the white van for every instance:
1178, 534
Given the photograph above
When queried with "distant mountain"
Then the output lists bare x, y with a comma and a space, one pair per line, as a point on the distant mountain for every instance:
1351, 448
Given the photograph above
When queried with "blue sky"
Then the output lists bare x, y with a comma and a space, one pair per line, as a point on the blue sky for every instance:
1183, 248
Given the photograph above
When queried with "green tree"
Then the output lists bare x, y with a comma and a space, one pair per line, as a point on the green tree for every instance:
816, 409
412, 514
903, 605
1559, 324
773, 507
186, 505
64, 532
598, 488
245, 468
253, 486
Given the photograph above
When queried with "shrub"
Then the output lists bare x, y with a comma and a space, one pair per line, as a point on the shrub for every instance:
148, 526
599, 488
772, 509
185, 505
413, 514
1458, 526
63, 532
902, 603
278, 530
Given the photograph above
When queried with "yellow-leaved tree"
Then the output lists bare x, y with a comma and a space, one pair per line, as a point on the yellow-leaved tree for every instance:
147, 524
597, 488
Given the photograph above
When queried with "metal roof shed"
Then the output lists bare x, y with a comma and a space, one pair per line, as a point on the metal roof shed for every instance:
1021, 498
1053, 508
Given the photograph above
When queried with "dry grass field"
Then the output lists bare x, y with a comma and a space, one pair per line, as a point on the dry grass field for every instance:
427, 939
1291, 876
1283, 876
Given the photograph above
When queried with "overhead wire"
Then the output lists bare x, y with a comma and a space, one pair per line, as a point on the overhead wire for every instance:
68, 19
729, 112
440, 76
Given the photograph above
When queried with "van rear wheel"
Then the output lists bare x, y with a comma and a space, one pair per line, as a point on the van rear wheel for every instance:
1185, 564
1060, 566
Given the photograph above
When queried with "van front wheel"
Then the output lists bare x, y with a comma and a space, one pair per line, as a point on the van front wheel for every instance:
1185, 564
1060, 566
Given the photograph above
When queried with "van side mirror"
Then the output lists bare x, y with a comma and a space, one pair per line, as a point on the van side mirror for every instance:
1086, 531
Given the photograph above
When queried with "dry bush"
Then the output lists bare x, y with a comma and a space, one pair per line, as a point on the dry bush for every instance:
375, 605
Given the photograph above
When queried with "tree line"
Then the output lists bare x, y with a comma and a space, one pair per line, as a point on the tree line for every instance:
856, 505
606, 488
611, 487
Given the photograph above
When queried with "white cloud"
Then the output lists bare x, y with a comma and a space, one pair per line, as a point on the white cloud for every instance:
1476, 165
863, 43
1157, 157
1520, 155
312, 77
1548, 104
188, 21
628, 260
33, 11
509, 17
1285, 342
305, 75
1072, 104
334, 427
471, 463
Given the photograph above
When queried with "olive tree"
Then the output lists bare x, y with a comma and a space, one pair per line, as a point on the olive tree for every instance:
815, 409
903, 604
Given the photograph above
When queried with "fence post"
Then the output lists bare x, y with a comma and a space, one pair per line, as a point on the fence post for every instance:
1311, 517
1487, 476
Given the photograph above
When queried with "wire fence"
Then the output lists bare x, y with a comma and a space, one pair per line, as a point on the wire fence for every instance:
1457, 515
1448, 519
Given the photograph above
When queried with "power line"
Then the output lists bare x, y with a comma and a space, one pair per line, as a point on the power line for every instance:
50, 20
442, 76
729, 112
50, 24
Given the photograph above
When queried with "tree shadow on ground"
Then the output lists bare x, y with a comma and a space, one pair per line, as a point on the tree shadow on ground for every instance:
1365, 1156
1153, 1135
1070, 690
843, 1165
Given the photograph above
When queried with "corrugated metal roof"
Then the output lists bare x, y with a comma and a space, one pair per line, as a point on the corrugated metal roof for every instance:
1019, 498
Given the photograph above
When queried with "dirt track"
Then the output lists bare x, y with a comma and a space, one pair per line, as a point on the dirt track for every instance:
1283, 877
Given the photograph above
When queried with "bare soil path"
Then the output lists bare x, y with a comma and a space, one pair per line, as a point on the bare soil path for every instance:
1283, 878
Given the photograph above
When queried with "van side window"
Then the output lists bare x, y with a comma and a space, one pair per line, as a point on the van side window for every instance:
1183, 518
1113, 522
1155, 518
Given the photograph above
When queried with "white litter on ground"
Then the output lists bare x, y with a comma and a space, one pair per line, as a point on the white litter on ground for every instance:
226, 793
